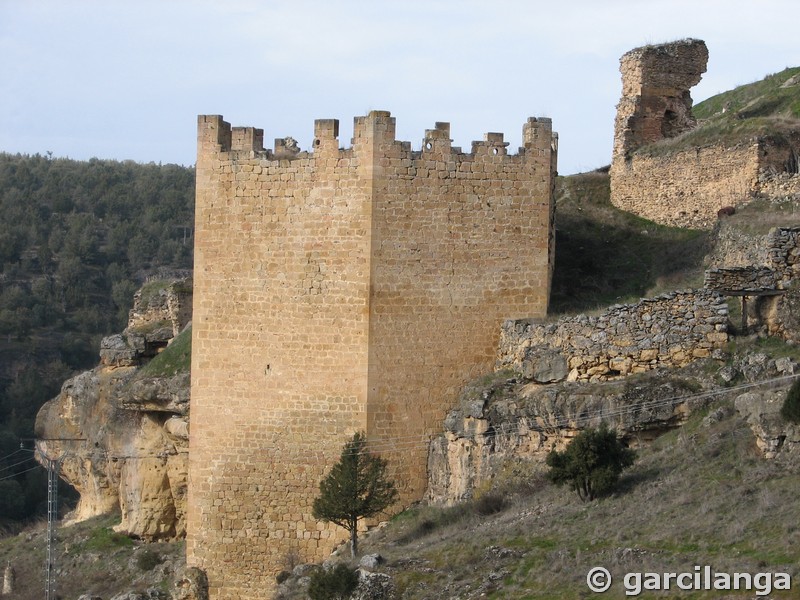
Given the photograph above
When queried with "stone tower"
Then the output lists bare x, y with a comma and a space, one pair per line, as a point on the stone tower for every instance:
341, 290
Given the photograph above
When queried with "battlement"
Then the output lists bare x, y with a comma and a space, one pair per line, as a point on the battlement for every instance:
217, 135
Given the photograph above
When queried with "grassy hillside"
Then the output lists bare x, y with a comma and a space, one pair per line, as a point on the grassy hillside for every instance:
606, 256
777, 95
90, 558
700, 495
770, 107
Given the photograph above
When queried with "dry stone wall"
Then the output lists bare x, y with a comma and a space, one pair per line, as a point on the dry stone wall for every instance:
783, 251
327, 284
740, 279
668, 331
687, 188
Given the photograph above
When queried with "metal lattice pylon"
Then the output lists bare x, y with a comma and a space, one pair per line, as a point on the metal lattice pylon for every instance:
52, 519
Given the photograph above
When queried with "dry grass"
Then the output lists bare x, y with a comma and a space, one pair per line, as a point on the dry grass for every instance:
699, 495
606, 256
90, 559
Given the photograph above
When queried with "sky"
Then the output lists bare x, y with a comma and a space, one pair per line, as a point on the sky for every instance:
126, 79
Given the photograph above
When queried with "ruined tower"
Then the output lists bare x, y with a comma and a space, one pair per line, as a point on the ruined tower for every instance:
340, 290
656, 103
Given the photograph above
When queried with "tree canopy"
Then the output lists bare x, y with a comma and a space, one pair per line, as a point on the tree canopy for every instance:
77, 238
592, 462
355, 488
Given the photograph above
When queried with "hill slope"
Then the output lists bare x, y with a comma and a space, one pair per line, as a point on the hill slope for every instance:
770, 107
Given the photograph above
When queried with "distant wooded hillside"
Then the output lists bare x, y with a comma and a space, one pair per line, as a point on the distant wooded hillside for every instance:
76, 240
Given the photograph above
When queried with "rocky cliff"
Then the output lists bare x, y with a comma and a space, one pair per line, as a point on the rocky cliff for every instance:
121, 429
505, 425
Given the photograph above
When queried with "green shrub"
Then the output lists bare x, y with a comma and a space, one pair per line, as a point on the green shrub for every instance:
104, 539
337, 584
147, 560
790, 411
592, 462
490, 503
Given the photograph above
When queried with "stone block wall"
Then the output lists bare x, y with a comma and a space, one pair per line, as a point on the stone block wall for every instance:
340, 290
686, 188
740, 279
783, 251
668, 331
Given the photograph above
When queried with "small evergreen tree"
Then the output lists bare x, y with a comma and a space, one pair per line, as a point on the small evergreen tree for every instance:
355, 488
592, 462
790, 411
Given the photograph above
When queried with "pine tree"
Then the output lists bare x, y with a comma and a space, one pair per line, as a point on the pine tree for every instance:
355, 488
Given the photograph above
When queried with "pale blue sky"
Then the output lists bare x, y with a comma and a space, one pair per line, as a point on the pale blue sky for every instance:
125, 79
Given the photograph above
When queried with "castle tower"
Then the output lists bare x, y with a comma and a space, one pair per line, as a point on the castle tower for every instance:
341, 290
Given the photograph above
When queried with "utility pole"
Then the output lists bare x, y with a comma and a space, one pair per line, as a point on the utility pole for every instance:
53, 466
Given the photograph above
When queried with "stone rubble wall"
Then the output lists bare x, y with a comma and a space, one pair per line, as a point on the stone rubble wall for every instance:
780, 187
783, 250
740, 279
670, 330
686, 188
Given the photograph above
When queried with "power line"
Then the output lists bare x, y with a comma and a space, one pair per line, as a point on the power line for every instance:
37, 466
22, 462
421, 441
13, 453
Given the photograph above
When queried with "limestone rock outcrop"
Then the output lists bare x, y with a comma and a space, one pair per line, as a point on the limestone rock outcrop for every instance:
191, 584
121, 433
505, 421
773, 434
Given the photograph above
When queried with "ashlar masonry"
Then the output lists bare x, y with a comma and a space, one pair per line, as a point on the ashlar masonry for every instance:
340, 290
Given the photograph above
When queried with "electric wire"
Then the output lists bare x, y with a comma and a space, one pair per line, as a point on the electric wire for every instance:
413, 442
17, 451
37, 466
22, 462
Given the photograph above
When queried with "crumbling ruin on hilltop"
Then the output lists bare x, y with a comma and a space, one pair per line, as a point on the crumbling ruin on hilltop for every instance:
685, 187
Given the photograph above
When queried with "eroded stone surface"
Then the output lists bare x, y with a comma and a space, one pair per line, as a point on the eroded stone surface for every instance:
128, 438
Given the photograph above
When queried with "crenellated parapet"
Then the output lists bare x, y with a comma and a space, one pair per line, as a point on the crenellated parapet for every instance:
217, 135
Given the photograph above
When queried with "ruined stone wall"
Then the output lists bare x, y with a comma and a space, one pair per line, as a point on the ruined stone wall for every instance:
780, 187
686, 188
783, 250
655, 102
668, 331
327, 289
740, 279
